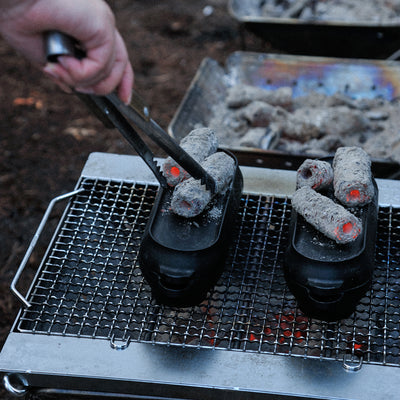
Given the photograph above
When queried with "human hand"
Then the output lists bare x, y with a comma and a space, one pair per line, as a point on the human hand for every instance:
106, 66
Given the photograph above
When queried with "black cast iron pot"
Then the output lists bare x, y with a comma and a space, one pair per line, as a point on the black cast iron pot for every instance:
182, 258
328, 279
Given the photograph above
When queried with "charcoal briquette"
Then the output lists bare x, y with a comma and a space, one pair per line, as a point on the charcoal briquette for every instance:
199, 144
352, 176
331, 219
190, 197
316, 174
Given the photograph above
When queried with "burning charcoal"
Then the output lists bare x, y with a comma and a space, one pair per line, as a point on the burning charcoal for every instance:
241, 95
352, 177
328, 217
315, 174
190, 197
199, 144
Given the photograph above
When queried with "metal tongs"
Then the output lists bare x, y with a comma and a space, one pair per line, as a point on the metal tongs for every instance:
115, 114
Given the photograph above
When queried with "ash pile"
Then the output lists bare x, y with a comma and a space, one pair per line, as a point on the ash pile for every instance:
315, 124
373, 11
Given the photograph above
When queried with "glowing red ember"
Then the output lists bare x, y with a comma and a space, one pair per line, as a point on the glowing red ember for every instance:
175, 171
347, 228
354, 195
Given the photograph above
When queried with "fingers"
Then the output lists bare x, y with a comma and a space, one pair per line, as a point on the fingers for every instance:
126, 85
105, 68
118, 75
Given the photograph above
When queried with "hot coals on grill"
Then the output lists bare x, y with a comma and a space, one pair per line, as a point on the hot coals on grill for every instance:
190, 198
190, 229
329, 261
199, 144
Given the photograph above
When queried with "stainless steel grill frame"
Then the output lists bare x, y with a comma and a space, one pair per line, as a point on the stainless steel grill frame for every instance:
89, 300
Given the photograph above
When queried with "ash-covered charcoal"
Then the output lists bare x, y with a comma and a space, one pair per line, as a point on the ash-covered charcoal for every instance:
323, 100
377, 11
258, 113
338, 121
352, 176
241, 95
199, 144
316, 174
314, 124
342, 121
328, 217
264, 138
295, 9
317, 147
253, 137
299, 128
190, 197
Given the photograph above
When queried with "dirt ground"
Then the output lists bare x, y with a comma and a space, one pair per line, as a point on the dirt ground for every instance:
46, 135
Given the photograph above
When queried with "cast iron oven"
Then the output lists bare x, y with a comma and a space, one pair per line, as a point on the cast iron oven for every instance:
90, 326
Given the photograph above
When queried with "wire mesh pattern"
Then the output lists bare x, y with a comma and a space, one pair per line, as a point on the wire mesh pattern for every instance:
90, 285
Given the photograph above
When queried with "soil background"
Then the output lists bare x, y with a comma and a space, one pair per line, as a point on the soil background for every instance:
46, 135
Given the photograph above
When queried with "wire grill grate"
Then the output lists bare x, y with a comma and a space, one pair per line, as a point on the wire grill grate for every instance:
90, 285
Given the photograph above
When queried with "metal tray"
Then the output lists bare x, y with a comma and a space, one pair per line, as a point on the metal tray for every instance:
305, 74
363, 39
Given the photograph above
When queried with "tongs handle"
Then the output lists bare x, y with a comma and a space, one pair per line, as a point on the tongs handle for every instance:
114, 113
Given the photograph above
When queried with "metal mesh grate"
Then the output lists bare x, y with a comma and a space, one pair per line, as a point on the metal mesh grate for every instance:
91, 286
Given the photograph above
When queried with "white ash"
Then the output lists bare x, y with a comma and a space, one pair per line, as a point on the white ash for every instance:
316, 174
328, 217
322, 100
199, 144
190, 197
315, 124
349, 11
241, 95
338, 120
352, 180
215, 213
259, 113
294, 9
315, 147
253, 137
